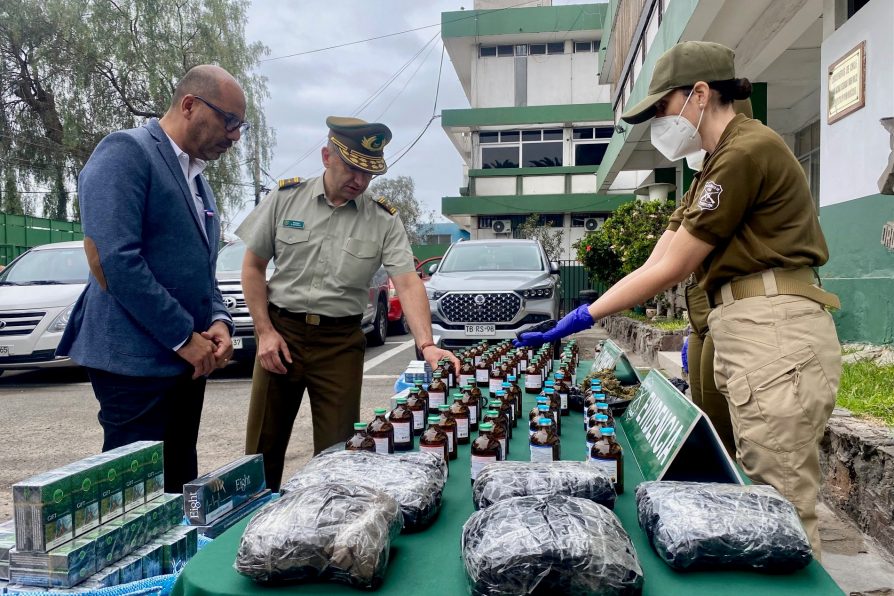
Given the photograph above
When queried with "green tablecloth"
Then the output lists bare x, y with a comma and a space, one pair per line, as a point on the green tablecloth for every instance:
430, 562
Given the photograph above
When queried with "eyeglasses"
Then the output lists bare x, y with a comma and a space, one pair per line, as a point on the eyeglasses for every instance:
231, 121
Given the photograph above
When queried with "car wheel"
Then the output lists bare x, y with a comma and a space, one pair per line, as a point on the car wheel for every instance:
399, 327
377, 336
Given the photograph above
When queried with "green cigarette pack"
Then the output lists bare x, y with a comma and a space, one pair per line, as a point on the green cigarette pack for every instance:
215, 494
179, 545
130, 569
153, 559
157, 517
174, 504
85, 483
111, 486
43, 513
132, 533
62, 567
108, 547
140, 459
105, 578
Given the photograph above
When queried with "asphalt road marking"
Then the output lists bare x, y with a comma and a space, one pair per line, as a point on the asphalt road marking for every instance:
370, 364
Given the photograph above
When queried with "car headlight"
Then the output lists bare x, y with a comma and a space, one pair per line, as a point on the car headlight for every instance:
433, 294
61, 321
538, 293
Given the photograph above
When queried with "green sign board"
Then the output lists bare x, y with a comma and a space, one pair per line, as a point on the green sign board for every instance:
671, 438
612, 356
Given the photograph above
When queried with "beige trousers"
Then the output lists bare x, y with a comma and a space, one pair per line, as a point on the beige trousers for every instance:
778, 361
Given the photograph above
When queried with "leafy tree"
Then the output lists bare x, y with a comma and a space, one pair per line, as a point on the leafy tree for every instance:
550, 239
12, 199
596, 255
401, 192
633, 231
71, 71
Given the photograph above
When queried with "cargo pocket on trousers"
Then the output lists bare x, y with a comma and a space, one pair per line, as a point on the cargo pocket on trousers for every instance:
782, 405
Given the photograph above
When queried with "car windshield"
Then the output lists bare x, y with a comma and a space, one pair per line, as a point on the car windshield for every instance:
230, 258
47, 267
492, 257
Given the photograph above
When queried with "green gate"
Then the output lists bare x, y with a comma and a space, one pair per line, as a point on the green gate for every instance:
18, 233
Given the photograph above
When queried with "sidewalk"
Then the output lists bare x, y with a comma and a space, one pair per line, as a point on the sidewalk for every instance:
856, 563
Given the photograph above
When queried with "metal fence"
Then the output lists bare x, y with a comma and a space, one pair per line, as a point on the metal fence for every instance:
574, 278
18, 233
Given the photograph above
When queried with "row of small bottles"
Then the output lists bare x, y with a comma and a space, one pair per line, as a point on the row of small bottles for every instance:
603, 450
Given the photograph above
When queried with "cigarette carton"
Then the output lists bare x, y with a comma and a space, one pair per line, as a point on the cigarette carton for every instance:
213, 495
43, 516
152, 556
174, 508
108, 547
226, 522
62, 567
130, 569
85, 482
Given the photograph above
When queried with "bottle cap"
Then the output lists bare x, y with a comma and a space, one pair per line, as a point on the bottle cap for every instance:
599, 396
359, 426
380, 411
549, 390
485, 427
444, 408
549, 383
458, 397
608, 431
401, 400
601, 418
466, 387
601, 405
491, 413
417, 383
505, 384
545, 422
437, 375
434, 419
559, 376
499, 392
543, 408
495, 402
542, 400
414, 389
510, 378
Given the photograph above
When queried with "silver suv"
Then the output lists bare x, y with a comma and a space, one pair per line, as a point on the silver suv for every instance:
491, 289
229, 280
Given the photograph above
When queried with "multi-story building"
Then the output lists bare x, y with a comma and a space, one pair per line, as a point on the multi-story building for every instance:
822, 79
539, 122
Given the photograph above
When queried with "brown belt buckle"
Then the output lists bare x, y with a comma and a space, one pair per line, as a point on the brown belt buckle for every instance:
312, 319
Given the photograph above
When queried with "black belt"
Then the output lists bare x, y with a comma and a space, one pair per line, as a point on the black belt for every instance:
318, 320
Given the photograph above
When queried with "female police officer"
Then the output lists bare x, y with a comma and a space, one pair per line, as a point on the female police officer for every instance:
750, 233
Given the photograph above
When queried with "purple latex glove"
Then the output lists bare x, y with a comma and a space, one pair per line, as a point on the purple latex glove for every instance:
577, 320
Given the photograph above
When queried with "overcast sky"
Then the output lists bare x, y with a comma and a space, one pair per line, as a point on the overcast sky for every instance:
304, 90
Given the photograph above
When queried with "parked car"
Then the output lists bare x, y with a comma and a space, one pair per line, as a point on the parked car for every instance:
397, 321
491, 289
38, 291
229, 280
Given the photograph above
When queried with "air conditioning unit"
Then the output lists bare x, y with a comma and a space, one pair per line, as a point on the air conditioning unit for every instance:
591, 224
501, 226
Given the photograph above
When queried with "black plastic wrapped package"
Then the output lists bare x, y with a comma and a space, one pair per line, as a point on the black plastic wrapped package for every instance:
415, 480
507, 479
549, 545
694, 525
339, 532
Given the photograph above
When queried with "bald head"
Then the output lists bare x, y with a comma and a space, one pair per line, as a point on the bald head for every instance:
205, 80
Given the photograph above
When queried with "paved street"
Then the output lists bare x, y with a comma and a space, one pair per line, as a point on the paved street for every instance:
50, 417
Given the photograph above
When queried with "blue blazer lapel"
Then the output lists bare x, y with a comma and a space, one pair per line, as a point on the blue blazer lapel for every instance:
167, 154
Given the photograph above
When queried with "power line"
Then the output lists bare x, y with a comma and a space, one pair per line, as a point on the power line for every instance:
406, 83
396, 33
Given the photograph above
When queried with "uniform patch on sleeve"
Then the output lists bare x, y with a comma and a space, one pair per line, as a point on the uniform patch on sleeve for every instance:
710, 197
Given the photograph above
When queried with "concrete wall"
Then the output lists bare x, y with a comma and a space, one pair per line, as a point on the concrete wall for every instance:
493, 82
855, 149
543, 185
496, 186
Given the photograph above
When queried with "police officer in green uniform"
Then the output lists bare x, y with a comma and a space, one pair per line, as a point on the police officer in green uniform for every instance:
750, 233
327, 240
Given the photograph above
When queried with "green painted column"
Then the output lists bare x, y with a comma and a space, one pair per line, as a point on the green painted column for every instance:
759, 101
669, 176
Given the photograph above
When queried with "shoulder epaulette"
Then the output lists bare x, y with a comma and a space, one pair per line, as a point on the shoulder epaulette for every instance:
288, 182
384, 204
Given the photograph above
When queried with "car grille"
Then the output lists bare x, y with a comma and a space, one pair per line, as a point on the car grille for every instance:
19, 323
497, 307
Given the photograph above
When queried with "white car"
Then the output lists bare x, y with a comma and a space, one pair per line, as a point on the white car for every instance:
37, 293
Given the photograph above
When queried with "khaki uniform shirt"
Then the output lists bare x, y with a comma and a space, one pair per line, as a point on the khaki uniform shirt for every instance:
751, 202
324, 256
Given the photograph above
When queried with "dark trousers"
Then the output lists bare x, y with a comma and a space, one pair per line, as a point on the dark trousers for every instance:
701, 369
153, 409
328, 362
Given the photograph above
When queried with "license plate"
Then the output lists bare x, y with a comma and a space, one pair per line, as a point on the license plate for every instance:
480, 330
5, 350
237, 343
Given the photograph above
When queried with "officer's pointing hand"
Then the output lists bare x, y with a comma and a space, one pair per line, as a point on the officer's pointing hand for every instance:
272, 349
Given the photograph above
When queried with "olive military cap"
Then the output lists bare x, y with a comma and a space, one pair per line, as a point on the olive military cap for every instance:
683, 65
360, 143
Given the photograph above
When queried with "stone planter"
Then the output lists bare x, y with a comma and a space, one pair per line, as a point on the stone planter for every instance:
857, 459
642, 338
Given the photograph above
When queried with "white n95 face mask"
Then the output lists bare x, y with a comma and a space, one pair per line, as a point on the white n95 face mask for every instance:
675, 137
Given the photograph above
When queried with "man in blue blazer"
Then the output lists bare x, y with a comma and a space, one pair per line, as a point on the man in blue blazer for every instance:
151, 323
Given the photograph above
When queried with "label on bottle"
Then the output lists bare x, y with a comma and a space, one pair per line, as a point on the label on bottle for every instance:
502, 447
534, 381
512, 414
541, 453
451, 379
418, 419
435, 399
477, 360
473, 414
462, 428
522, 365
433, 449
482, 375
465, 379
479, 461
589, 448
563, 400
381, 445
608, 466
574, 378
531, 432
450, 446
495, 385
402, 432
